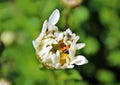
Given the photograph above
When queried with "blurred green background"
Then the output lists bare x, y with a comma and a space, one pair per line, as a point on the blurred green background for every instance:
97, 22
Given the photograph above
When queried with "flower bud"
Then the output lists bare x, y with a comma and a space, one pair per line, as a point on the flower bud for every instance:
4, 82
7, 37
71, 3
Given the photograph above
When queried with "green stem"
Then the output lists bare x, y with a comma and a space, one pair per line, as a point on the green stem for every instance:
55, 77
67, 18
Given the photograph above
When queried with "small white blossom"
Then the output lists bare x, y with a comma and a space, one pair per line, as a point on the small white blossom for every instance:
57, 49
71, 3
4, 82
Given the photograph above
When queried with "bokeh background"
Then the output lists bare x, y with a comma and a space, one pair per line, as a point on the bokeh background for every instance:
97, 22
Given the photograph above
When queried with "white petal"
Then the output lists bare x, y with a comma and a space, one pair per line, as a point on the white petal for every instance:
71, 54
57, 66
65, 40
49, 35
70, 66
55, 42
56, 34
57, 57
54, 17
53, 58
69, 31
76, 38
80, 45
44, 51
72, 50
58, 53
73, 35
47, 40
79, 60
44, 28
73, 46
52, 27
60, 37
45, 57
67, 61
34, 45
67, 66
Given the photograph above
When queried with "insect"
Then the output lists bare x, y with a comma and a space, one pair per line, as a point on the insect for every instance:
65, 48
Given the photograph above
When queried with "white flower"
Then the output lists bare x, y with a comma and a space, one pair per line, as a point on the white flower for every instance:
71, 3
57, 49
4, 82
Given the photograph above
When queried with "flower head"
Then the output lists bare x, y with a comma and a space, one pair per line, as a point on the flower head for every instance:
71, 3
4, 82
57, 49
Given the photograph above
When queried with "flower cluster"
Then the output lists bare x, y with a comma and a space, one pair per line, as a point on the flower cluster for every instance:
57, 49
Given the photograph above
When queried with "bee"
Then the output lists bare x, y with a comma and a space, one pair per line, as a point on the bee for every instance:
65, 48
